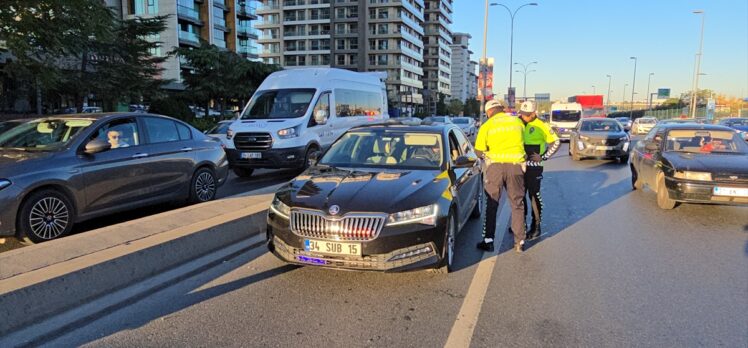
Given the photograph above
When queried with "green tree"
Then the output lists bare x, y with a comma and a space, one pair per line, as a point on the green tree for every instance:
472, 107
219, 76
441, 106
455, 107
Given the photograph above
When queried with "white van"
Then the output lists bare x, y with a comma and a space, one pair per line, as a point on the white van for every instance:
298, 112
564, 117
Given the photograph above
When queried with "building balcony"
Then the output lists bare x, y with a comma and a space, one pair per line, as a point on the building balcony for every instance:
190, 39
248, 51
270, 6
220, 4
251, 33
246, 11
189, 14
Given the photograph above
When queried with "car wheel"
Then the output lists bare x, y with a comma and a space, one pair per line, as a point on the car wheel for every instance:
574, 155
243, 172
445, 266
308, 157
45, 215
663, 198
204, 186
636, 183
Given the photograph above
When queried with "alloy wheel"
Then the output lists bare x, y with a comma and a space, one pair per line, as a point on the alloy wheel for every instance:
49, 217
205, 186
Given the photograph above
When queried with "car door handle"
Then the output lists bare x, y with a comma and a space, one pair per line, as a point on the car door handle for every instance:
186, 149
140, 155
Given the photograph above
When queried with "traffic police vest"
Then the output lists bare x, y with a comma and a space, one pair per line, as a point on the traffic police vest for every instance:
501, 139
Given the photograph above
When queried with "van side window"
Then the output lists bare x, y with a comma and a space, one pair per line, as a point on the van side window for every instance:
323, 103
350, 102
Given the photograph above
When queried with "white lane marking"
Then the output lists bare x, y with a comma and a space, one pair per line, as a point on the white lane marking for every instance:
462, 330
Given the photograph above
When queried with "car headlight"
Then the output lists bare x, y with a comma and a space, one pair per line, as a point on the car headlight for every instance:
280, 208
688, 175
4, 183
423, 215
288, 133
229, 134
624, 139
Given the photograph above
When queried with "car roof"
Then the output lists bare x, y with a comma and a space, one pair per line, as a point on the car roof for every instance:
423, 128
590, 119
695, 126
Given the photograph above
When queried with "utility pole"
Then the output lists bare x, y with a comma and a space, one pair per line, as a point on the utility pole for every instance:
633, 89
649, 97
483, 65
695, 89
607, 100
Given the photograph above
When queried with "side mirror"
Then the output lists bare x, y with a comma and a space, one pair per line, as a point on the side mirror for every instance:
96, 146
465, 162
320, 116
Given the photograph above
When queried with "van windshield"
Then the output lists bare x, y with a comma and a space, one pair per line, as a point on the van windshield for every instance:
565, 115
279, 103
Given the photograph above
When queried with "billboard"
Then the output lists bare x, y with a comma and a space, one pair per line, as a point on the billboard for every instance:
663, 93
485, 73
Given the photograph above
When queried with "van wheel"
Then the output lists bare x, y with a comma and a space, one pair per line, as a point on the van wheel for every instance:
45, 215
308, 157
203, 186
243, 172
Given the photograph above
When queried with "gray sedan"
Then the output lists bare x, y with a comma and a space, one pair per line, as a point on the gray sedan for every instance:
57, 171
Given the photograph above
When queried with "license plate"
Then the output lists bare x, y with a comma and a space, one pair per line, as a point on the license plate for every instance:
604, 148
731, 191
335, 248
251, 155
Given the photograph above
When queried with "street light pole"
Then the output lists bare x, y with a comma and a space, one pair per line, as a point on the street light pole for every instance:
649, 97
607, 101
623, 101
633, 88
482, 67
511, 37
695, 89
524, 73
594, 91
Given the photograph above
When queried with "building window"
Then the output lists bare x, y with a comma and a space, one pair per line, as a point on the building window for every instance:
340, 59
341, 44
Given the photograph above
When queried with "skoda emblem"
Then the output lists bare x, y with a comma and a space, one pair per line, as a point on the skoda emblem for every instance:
334, 210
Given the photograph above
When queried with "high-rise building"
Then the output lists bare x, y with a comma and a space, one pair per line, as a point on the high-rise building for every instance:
472, 80
437, 53
371, 35
460, 75
224, 23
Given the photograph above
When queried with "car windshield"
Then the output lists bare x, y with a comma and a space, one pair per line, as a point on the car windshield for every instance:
565, 115
737, 123
600, 126
279, 103
461, 120
623, 119
647, 121
705, 141
4, 126
44, 134
438, 119
386, 149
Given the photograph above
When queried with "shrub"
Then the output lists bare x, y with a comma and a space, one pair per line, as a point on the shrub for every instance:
171, 106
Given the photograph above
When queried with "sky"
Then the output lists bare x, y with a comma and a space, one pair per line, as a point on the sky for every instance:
578, 42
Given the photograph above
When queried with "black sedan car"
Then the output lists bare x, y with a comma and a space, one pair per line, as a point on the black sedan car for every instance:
739, 124
692, 163
600, 138
384, 197
56, 171
625, 122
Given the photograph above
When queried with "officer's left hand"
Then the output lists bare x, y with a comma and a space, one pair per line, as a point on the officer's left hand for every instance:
536, 158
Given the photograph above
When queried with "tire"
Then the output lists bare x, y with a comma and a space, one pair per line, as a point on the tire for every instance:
636, 183
243, 172
447, 263
663, 198
622, 159
45, 215
203, 186
307, 157
574, 155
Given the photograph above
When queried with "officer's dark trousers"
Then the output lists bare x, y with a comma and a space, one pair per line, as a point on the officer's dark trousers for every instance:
533, 177
497, 178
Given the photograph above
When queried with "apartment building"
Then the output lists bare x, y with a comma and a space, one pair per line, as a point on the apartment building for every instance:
227, 24
472, 80
365, 35
460, 76
438, 53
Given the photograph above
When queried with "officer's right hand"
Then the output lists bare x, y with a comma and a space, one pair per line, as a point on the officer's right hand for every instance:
536, 158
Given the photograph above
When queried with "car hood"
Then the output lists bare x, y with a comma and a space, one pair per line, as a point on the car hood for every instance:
603, 135
14, 162
715, 163
742, 128
364, 190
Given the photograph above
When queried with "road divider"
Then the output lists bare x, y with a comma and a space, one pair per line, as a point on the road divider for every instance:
44, 280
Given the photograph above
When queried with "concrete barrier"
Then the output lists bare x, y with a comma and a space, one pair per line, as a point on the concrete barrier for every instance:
43, 280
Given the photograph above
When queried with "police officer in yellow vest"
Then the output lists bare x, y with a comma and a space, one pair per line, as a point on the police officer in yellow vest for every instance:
500, 143
540, 144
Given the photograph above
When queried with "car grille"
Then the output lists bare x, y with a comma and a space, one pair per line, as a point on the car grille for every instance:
253, 141
604, 142
351, 227
731, 178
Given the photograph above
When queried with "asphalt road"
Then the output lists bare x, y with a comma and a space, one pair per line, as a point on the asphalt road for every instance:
612, 269
234, 185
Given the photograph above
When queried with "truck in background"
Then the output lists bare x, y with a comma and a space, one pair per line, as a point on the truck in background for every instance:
592, 105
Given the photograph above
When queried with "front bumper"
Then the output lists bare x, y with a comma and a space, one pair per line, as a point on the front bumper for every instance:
589, 150
376, 255
293, 157
702, 192
563, 133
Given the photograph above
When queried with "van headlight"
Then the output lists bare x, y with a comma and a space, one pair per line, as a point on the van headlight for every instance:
4, 183
698, 176
229, 134
280, 208
423, 215
288, 133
